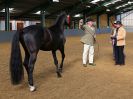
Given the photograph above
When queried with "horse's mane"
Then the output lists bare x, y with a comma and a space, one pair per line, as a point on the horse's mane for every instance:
60, 17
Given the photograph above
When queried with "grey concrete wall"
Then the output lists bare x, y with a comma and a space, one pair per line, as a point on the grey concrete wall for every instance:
7, 36
129, 29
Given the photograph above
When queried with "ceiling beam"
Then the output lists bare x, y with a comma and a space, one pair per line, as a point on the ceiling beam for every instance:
75, 9
42, 6
118, 11
67, 9
128, 10
96, 8
99, 8
70, 9
112, 8
6, 3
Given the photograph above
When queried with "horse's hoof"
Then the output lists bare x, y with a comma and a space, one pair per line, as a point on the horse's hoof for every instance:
32, 88
59, 75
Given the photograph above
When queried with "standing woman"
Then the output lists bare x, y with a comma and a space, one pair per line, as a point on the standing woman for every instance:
119, 44
88, 40
112, 39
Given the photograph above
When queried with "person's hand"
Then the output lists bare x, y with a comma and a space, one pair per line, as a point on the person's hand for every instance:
113, 37
81, 24
94, 40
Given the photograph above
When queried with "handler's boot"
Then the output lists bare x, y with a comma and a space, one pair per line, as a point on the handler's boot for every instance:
92, 64
85, 65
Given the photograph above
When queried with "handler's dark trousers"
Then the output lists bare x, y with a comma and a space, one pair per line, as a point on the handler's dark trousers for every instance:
119, 55
113, 51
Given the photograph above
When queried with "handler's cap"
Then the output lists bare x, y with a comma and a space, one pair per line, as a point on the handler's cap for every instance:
89, 19
119, 22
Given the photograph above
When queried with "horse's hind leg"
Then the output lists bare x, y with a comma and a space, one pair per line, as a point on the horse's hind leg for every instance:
32, 61
32, 50
29, 59
56, 63
63, 57
26, 62
29, 70
27, 56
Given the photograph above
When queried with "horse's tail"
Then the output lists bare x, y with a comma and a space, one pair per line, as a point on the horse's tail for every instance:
16, 68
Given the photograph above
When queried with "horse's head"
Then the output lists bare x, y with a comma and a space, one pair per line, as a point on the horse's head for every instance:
62, 19
66, 18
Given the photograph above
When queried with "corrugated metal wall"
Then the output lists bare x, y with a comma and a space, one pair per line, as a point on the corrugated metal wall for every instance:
127, 20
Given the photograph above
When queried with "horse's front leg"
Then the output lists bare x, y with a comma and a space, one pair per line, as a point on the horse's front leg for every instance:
63, 57
56, 63
32, 61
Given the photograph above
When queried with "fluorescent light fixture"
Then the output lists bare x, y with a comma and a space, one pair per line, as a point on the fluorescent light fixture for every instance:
112, 2
88, 6
38, 12
56, 1
10, 10
124, 5
128, 8
77, 15
95, 1
118, 7
107, 10
107, 4
129, 2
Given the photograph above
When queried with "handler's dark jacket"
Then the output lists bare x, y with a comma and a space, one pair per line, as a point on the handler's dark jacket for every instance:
89, 36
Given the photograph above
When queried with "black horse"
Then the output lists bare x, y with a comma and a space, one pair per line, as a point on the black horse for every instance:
34, 38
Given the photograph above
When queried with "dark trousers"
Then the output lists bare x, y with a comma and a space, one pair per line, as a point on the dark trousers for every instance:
113, 51
119, 55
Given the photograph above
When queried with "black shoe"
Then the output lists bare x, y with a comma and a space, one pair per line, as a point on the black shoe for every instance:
84, 65
117, 64
122, 64
92, 64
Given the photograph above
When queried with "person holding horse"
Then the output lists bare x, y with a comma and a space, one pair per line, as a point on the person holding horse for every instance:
111, 36
88, 40
119, 42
